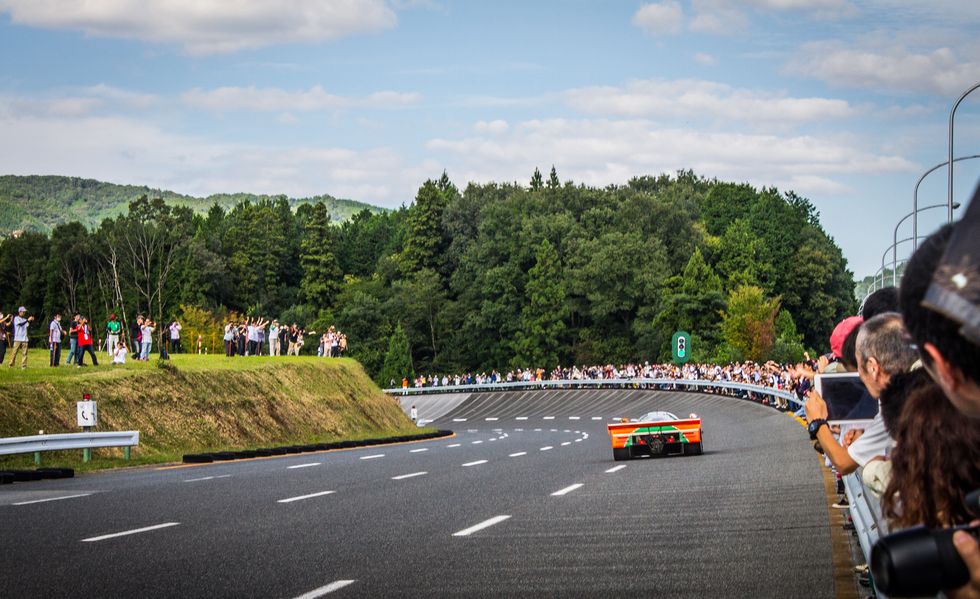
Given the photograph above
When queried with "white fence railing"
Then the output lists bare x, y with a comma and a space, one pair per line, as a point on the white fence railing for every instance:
637, 383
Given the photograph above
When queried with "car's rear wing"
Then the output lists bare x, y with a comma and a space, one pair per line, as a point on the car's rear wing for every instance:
628, 428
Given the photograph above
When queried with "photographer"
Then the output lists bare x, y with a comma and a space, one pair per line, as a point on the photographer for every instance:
882, 351
948, 347
20, 336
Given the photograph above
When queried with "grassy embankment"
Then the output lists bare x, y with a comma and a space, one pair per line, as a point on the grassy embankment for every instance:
199, 403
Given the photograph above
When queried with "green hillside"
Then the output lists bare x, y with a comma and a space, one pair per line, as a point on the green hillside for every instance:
39, 203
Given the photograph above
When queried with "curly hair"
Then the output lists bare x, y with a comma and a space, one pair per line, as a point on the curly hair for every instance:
935, 463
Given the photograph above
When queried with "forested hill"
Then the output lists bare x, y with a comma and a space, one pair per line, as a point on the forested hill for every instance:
40, 203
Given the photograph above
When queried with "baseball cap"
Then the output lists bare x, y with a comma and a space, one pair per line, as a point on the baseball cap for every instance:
841, 331
22, 309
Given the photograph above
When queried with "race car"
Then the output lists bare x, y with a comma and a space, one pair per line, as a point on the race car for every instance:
656, 434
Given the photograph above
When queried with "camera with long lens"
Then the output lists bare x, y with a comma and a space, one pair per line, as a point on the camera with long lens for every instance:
919, 561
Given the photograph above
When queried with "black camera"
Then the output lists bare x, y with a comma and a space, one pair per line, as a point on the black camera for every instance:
919, 562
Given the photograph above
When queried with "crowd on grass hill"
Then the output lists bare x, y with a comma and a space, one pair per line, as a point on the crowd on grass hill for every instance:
248, 337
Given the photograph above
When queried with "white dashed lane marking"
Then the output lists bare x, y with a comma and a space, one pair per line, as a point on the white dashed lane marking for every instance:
615, 469
566, 443
518, 454
454, 445
549, 417
412, 475
573, 418
477, 442
459, 419
491, 419
418, 450
567, 490
51, 499
303, 465
373, 457
196, 480
521, 418
130, 532
478, 527
302, 497
546, 448
597, 418
326, 589
476, 463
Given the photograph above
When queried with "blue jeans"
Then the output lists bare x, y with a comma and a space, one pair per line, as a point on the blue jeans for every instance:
71, 352
145, 353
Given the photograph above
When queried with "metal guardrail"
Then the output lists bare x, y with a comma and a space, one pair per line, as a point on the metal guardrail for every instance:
637, 383
67, 441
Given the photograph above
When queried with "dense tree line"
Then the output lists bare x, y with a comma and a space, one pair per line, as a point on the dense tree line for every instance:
494, 276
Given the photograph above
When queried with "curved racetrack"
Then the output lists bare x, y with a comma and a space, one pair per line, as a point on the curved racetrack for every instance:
746, 519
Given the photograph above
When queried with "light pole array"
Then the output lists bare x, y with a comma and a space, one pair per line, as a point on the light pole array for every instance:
952, 115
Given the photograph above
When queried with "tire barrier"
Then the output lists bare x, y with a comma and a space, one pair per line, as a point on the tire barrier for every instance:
11, 476
227, 456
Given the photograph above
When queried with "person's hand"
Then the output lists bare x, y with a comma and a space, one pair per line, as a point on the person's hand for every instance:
822, 364
969, 550
851, 436
815, 407
30, 319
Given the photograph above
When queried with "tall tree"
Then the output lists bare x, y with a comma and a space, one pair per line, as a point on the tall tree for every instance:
749, 322
321, 273
539, 339
424, 239
537, 181
398, 360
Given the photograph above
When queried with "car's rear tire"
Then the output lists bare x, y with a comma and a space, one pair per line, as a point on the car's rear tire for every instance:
621, 453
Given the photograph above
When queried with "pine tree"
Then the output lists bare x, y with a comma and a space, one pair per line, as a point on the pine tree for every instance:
398, 360
537, 181
553, 182
424, 240
321, 273
539, 340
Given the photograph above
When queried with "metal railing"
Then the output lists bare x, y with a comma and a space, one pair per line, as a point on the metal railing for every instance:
635, 383
67, 441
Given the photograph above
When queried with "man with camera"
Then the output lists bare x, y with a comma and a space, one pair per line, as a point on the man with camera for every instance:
882, 351
20, 336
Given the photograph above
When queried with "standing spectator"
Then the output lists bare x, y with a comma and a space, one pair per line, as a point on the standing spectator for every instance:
229, 339
112, 330
85, 344
136, 334
54, 339
283, 339
4, 336
175, 337
252, 338
20, 335
146, 337
334, 343
293, 340
73, 340
343, 344
274, 338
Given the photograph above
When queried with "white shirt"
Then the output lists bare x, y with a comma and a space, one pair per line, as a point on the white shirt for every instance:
20, 329
55, 331
874, 442
175, 331
120, 356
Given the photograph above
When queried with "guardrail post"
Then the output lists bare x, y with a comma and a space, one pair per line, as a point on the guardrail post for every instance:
126, 452
37, 458
87, 454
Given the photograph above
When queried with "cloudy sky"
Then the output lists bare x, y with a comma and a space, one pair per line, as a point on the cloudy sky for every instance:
843, 101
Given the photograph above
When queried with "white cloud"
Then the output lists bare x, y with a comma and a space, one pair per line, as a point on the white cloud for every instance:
663, 17
271, 99
894, 68
599, 152
698, 99
705, 59
497, 126
729, 16
208, 26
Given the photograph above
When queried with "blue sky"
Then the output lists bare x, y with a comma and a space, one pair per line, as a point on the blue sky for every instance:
844, 102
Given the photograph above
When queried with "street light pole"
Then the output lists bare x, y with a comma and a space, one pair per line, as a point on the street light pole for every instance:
952, 114
915, 197
895, 237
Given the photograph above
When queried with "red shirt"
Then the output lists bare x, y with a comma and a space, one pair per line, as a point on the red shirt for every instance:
84, 335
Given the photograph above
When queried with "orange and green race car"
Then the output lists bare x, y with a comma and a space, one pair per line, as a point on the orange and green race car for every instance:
655, 434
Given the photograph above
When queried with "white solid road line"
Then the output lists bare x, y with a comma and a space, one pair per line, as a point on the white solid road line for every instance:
454, 445
51, 499
567, 490
546, 448
566, 443
518, 454
478, 527
302, 497
615, 469
418, 450
195, 480
333, 586
303, 465
476, 463
130, 532
412, 475
372, 457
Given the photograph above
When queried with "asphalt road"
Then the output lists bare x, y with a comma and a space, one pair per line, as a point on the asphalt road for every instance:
525, 500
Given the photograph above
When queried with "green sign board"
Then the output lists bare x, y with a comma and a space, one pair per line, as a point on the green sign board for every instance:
680, 347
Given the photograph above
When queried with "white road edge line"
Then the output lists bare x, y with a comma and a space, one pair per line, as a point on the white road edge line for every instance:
320, 592
476, 463
418, 450
51, 499
302, 497
302, 465
518, 454
412, 475
567, 490
478, 527
546, 448
615, 469
371, 457
130, 532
